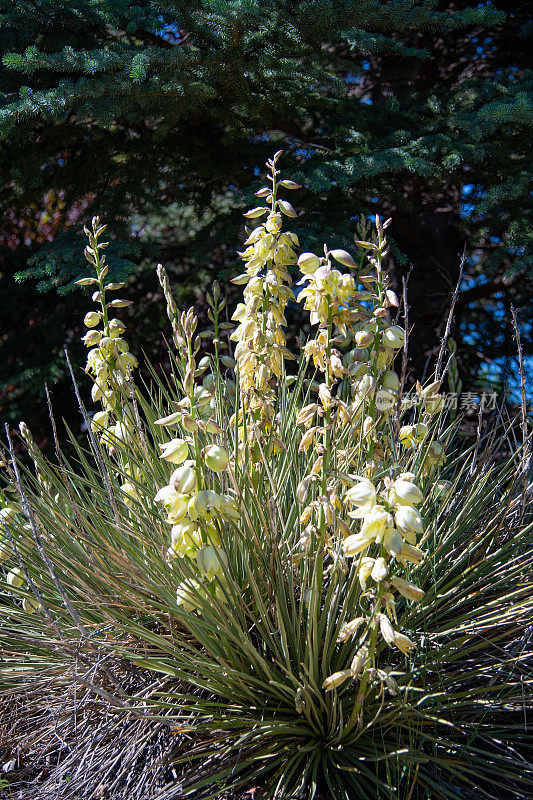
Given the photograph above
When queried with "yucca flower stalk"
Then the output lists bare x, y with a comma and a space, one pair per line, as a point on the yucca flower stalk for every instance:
302, 593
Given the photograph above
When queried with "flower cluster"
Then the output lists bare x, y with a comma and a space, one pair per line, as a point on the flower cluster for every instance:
355, 500
195, 511
347, 426
109, 361
261, 347
7, 514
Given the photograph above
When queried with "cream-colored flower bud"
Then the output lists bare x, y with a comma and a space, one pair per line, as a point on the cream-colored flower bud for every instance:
96, 392
324, 395
189, 423
288, 184
255, 212
229, 508
385, 401
121, 430
100, 420
306, 415
433, 404
410, 435
188, 381
186, 537
408, 519
379, 570
15, 577
394, 337
184, 478
172, 419
166, 494
392, 299
302, 490
210, 426
362, 494
116, 328
176, 507
407, 589
366, 384
120, 303
92, 319
403, 643
386, 629
443, 488
186, 595
212, 561
364, 338
410, 554
273, 223
436, 454
287, 209
390, 380
92, 338
429, 391
308, 263
336, 680
216, 458
86, 282
6, 515
356, 543
343, 258
365, 570
393, 543
406, 493
376, 522
384, 358
349, 629
205, 505
130, 491
30, 606
359, 661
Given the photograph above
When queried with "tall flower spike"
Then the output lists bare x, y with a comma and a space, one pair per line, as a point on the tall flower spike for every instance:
109, 362
261, 346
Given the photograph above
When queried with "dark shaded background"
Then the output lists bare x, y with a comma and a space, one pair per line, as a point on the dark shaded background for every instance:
158, 116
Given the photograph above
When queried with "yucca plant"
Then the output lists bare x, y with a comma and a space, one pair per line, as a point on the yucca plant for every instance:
296, 585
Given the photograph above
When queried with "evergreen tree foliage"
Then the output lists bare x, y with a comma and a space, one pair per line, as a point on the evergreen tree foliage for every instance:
157, 114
